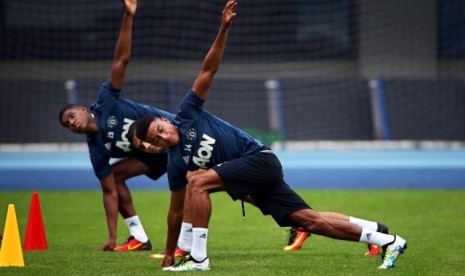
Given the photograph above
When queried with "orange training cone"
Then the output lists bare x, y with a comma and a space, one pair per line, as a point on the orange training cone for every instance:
35, 232
11, 253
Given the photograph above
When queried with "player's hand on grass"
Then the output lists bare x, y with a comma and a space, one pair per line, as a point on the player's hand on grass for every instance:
168, 260
108, 246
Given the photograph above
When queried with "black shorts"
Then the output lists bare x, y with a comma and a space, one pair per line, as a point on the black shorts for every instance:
260, 175
157, 163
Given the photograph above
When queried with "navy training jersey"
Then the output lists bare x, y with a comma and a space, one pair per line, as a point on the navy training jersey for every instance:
113, 116
204, 141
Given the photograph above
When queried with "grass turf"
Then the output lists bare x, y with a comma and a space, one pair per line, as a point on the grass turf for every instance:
431, 220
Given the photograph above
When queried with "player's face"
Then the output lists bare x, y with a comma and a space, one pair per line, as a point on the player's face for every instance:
145, 146
162, 133
76, 119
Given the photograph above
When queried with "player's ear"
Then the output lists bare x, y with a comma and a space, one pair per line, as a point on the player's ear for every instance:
165, 119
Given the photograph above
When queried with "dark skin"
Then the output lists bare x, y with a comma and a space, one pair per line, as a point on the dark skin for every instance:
202, 183
116, 195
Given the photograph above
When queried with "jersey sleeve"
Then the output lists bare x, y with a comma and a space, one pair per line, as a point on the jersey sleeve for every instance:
100, 161
191, 107
107, 88
176, 177
108, 97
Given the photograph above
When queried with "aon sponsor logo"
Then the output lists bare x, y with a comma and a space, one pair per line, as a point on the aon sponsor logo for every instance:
205, 151
124, 143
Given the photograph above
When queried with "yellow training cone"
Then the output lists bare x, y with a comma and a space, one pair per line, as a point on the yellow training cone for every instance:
11, 253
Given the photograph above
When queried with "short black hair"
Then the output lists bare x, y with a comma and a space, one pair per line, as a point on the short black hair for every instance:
64, 108
131, 132
141, 126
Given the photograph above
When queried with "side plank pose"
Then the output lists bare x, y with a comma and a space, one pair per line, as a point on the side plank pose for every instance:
296, 237
211, 155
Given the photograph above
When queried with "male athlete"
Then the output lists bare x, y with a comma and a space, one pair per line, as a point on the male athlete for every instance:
106, 125
211, 155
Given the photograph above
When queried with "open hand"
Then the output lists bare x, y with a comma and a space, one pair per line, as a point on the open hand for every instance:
130, 6
228, 13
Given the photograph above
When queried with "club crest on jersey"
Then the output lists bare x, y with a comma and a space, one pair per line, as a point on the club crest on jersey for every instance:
112, 121
191, 134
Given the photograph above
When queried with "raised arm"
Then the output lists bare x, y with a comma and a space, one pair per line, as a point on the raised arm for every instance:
213, 59
123, 45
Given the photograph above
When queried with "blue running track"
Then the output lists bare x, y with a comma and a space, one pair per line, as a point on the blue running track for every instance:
362, 169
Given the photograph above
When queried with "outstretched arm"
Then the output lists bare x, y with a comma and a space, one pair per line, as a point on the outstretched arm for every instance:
110, 203
175, 218
123, 45
213, 59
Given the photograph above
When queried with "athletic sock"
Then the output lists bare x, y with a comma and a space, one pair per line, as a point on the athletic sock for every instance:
199, 243
136, 229
373, 237
185, 237
371, 225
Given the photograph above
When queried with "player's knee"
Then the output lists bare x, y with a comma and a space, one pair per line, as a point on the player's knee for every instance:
119, 174
201, 184
196, 184
119, 178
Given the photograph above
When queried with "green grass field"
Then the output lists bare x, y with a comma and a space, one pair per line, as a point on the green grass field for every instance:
432, 221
